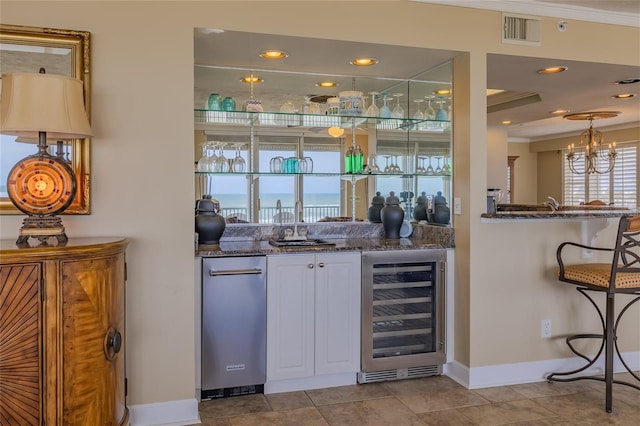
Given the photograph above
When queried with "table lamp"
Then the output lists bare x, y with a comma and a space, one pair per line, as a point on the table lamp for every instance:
42, 106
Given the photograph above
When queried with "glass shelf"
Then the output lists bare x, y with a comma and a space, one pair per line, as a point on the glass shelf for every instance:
344, 176
280, 119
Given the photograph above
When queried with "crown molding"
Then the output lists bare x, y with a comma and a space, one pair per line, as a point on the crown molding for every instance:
553, 10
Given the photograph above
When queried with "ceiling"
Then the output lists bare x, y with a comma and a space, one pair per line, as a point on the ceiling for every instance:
583, 87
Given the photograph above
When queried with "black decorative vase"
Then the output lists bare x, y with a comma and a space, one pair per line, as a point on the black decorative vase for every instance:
377, 203
209, 224
392, 216
442, 214
420, 210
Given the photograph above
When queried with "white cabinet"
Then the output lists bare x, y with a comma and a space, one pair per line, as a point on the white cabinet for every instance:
313, 316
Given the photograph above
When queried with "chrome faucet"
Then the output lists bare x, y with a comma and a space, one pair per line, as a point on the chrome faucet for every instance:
552, 203
279, 211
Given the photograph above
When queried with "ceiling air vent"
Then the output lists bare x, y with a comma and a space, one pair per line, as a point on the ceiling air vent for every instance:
520, 29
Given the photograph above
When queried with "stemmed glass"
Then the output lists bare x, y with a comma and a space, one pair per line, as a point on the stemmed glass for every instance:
446, 169
373, 110
418, 115
429, 167
206, 162
238, 163
221, 163
385, 111
421, 170
395, 168
430, 113
441, 115
438, 168
397, 112
372, 166
387, 167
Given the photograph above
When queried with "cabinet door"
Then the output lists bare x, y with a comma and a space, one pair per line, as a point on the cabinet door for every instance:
290, 316
93, 318
20, 347
337, 329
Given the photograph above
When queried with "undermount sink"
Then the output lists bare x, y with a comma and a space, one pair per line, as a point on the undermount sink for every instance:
300, 243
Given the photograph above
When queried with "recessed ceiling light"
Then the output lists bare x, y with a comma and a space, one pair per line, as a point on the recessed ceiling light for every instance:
274, 54
442, 92
552, 70
628, 81
326, 84
364, 62
251, 79
624, 96
560, 111
506, 122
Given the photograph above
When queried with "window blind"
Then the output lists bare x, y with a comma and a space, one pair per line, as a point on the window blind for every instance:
619, 187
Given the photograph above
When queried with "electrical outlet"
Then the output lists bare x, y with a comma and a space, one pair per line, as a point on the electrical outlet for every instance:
545, 328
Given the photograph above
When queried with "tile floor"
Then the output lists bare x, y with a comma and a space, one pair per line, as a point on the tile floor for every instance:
431, 401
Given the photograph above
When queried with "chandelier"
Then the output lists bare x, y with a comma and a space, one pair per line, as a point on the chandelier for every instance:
592, 151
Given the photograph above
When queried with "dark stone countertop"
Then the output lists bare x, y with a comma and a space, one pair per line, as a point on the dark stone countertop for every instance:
248, 240
249, 248
572, 214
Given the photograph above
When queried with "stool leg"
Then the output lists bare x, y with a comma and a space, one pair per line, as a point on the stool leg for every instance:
608, 354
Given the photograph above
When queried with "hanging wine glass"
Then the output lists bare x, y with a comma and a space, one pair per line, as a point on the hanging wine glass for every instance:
421, 170
387, 167
441, 115
395, 167
429, 167
418, 115
238, 162
438, 168
205, 163
221, 164
385, 111
397, 112
373, 110
374, 163
446, 169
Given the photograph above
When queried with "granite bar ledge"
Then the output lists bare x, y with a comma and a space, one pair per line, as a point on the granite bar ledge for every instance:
248, 239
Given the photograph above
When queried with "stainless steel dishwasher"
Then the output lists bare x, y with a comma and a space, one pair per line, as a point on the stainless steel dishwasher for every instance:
234, 326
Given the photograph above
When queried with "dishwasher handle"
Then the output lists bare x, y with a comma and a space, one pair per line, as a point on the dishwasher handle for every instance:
254, 271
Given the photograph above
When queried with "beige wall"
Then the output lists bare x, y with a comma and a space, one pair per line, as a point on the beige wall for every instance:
525, 174
497, 158
142, 164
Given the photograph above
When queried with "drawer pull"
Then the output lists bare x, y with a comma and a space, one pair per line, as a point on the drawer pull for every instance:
112, 343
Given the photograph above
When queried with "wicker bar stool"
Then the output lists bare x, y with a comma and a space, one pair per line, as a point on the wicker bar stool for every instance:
622, 276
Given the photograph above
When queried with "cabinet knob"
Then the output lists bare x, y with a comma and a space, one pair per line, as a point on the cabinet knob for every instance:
112, 343
321, 265
310, 266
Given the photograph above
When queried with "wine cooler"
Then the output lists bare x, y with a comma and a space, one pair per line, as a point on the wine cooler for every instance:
402, 314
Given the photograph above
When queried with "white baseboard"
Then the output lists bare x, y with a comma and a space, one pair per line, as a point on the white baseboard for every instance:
171, 413
529, 372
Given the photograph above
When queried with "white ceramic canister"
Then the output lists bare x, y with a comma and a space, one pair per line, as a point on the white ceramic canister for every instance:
350, 102
333, 106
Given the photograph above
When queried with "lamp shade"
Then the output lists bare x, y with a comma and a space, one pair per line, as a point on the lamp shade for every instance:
32, 103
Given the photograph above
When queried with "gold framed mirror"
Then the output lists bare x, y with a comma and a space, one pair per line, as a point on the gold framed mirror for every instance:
58, 51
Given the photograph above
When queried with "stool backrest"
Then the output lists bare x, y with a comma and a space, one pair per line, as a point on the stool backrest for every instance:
627, 251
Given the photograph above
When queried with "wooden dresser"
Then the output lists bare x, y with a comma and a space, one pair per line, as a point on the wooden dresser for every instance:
62, 326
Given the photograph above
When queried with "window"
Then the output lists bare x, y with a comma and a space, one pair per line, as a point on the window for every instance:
253, 197
619, 187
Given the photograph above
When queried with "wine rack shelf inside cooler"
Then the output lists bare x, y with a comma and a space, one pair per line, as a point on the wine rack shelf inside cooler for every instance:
402, 308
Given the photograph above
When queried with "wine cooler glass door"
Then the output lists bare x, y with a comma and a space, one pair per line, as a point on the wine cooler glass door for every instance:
402, 309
